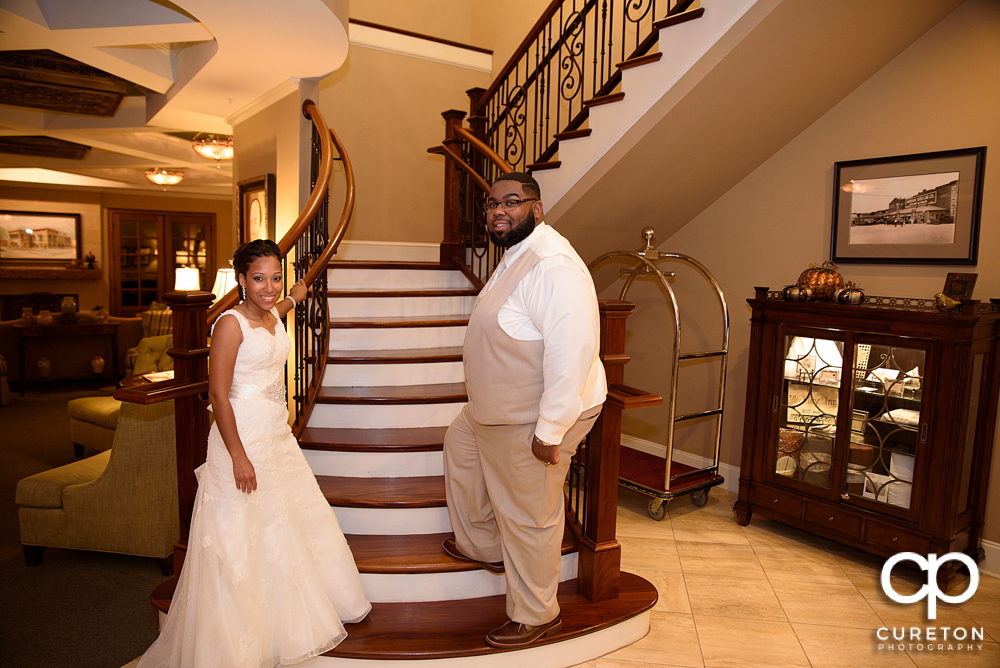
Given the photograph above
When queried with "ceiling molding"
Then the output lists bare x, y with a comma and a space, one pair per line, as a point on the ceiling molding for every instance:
417, 47
283, 89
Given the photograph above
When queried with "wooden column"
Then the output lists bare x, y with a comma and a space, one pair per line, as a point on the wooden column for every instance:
451, 244
190, 354
477, 121
600, 553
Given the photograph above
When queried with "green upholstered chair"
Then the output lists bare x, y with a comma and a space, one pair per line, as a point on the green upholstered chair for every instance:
123, 500
92, 420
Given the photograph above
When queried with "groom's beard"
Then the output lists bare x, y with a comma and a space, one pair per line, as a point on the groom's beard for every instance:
514, 235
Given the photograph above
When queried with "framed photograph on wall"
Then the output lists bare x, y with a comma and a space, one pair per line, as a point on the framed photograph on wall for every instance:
256, 208
915, 209
38, 238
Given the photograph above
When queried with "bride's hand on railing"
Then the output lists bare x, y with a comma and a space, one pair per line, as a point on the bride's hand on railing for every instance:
298, 291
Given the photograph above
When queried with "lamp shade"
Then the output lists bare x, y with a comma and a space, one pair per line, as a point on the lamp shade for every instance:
225, 281
187, 278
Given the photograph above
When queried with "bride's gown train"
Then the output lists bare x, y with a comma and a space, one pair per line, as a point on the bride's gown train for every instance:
268, 577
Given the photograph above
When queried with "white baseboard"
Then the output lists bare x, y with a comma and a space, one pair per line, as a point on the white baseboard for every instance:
728, 471
388, 251
991, 564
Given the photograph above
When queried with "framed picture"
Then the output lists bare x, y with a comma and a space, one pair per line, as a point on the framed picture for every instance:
960, 286
256, 209
29, 237
915, 209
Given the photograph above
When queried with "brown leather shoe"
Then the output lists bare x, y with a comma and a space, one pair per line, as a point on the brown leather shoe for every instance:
449, 546
513, 634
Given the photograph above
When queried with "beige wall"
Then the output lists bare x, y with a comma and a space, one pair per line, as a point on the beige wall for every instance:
386, 108
500, 26
93, 207
770, 226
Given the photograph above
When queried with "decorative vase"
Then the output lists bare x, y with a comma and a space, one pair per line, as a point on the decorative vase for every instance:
28, 316
44, 365
100, 315
97, 364
797, 293
68, 304
44, 318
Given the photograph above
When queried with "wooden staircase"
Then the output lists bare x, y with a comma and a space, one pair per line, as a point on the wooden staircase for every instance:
394, 381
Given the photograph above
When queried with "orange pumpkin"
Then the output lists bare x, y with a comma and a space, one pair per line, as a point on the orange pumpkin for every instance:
822, 281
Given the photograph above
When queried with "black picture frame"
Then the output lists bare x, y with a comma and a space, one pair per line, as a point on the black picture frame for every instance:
922, 208
256, 208
54, 240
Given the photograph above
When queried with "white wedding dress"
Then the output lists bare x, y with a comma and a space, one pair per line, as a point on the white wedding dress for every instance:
268, 577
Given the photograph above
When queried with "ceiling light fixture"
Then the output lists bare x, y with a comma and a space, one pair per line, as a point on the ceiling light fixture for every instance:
164, 177
214, 147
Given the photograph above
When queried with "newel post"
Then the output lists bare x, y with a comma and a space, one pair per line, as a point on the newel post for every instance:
600, 553
190, 355
451, 244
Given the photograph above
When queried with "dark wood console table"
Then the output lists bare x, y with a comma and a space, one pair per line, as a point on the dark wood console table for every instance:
40, 332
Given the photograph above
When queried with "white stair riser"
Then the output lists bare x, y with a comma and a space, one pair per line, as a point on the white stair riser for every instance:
355, 307
563, 654
396, 338
384, 417
403, 588
378, 375
392, 521
375, 464
342, 278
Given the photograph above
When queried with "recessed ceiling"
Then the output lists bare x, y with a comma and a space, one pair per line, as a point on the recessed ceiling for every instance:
171, 68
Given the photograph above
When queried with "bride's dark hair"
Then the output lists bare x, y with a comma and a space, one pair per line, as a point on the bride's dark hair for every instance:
250, 251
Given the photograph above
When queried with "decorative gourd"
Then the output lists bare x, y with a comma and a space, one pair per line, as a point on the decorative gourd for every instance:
797, 293
851, 295
823, 281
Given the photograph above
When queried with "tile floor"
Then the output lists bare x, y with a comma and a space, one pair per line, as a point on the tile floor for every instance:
771, 595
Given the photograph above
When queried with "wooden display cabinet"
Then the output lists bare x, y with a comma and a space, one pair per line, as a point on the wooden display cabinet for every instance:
872, 425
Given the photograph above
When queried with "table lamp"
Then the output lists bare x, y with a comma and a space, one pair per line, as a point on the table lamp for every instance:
187, 278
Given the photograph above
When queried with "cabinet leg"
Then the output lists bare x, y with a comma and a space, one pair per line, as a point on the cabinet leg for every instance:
743, 515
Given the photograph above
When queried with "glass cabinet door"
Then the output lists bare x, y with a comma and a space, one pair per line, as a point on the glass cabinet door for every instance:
808, 402
886, 424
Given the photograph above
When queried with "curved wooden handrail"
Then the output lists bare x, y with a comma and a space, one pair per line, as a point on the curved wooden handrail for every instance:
310, 111
485, 149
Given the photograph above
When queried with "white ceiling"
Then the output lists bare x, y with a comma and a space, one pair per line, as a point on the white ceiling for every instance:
203, 61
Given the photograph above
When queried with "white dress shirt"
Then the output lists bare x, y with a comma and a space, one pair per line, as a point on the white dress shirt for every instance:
557, 303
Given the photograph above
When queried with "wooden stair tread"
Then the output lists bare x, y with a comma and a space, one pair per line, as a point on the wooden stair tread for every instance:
442, 629
428, 292
604, 99
677, 19
572, 134
415, 553
395, 264
540, 166
393, 394
409, 439
639, 60
370, 322
415, 492
403, 356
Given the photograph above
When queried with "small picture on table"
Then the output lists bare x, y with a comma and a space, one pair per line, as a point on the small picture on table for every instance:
960, 286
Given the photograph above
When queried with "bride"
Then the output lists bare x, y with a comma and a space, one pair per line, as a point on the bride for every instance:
268, 578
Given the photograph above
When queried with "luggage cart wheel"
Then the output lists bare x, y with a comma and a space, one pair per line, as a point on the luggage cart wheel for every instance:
700, 498
657, 509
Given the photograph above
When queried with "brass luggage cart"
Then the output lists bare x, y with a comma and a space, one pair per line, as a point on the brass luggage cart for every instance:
665, 479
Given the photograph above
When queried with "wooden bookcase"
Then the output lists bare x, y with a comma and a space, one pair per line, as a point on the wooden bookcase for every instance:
872, 425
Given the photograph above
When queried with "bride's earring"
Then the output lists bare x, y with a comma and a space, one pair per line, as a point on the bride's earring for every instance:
243, 294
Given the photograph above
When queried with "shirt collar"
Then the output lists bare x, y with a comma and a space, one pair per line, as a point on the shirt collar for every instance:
518, 249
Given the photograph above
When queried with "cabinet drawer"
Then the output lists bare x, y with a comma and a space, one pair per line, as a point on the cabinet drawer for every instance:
780, 502
896, 539
833, 519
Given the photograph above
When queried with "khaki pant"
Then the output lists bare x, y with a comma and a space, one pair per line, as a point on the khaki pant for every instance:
505, 504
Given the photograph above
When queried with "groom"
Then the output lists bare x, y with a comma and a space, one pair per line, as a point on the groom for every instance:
536, 386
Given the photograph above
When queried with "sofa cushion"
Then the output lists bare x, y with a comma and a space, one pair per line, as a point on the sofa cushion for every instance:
157, 323
101, 411
45, 489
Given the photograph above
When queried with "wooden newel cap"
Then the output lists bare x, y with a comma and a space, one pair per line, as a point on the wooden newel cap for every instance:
188, 300
453, 113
